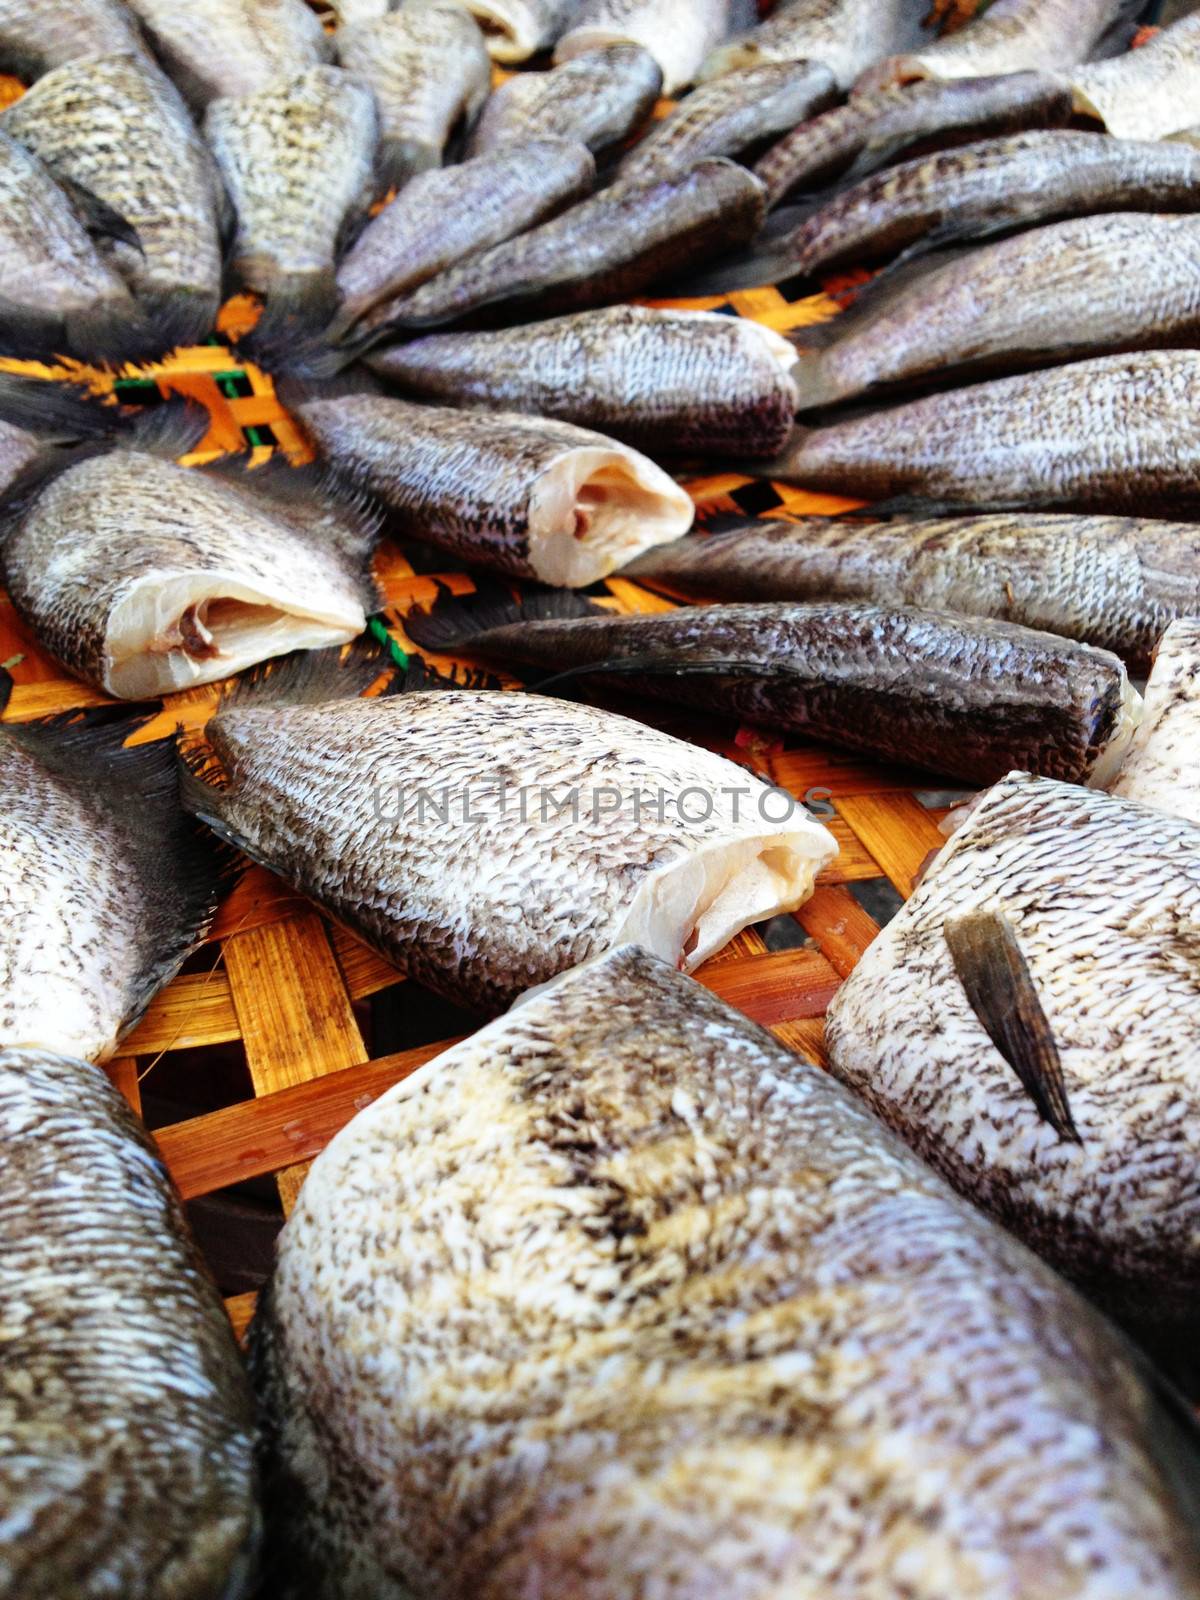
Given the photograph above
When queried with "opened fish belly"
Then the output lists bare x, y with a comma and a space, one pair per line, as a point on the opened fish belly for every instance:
677, 33
1148, 93
599, 98
958, 695
232, 47
522, 495
518, 29
618, 1297
844, 35
487, 841
1162, 768
1056, 1088
1114, 582
667, 382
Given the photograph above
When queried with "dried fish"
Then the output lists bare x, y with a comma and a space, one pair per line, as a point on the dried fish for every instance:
1114, 582
428, 67
38, 35
677, 33
598, 98
525, 496
518, 29
447, 215
1149, 93
37, 416
619, 1295
618, 243
668, 382
117, 127
496, 889
298, 160
844, 35
231, 47
1103, 899
1162, 767
957, 695
729, 116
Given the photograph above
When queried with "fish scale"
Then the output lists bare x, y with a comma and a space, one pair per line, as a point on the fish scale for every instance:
1160, 769
678, 33
1148, 93
598, 98
259, 39
844, 35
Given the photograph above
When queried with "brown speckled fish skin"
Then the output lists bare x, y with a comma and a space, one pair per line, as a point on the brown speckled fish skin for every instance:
1147, 93
871, 131
479, 898
1114, 434
428, 67
518, 29
115, 125
736, 1326
963, 696
126, 1420
668, 382
444, 216
478, 486
1086, 287
1010, 36
1162, 767
845, 35
38, 35
728, 116
58, 295
678, 33
1114, 582
231, 47
1104, 898
599, 98
623, 240
994, 183
298, 160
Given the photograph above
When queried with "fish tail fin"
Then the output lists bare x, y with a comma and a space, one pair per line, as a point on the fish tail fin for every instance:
111, 332
296, 306
100, 220
314, 677
454, 621
170, 430
401, 159
61, 413
180, 316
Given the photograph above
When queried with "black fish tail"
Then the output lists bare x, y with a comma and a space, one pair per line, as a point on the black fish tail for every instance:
313, 677
454, 621
60, 413
101, 220
181, 316
296, 306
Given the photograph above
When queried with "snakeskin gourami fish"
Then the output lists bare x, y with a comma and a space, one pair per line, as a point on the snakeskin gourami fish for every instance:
518, 29
38, 35
1148, 93
1162, 768
486, 841
618, 1297
846, 36
258, 40
599, 98
677, 33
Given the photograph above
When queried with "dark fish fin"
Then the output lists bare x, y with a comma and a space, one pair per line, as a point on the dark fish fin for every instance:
99, 219
170, 430
182, 316
1121, 32
295, 308
454, 621
175, 869
398, 160
994, 974
58, 412
6, 689
312, 677
420, 677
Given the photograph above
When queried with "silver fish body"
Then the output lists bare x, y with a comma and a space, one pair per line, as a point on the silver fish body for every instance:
451, 213
957, 695
1113, 582
145, 578
1113, 434
1075, 289
668, 382
874, 130
728, 116
733, 1323
518, 29
231, 47
428, 67
678, 33
844, 35
487, 841
1010, 36
38, 35
298, 160
116, 126
616, 244
1148, 93
598, 98
521, 495
1104, 898
1162, 768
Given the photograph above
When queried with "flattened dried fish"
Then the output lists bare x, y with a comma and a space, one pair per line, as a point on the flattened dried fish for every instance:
232, 47
728, 116
115, 126
525, 496
1114, 582
1103, 897
732, 1321
298, 160
1010, 36
618, 243
668, 382
844, 35
38, 35
428, 67
1113, 434
599, 98
874, 130
501, 890
1148, 93
957, 695
144, 577
443, 217
677, 33
1162, 768
1079, 288
518, 29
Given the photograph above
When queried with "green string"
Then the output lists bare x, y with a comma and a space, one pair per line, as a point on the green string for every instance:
377, 628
